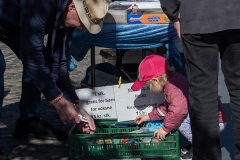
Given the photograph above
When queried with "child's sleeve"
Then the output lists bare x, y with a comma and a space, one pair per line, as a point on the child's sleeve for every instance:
222, 112
177, 110
156, 113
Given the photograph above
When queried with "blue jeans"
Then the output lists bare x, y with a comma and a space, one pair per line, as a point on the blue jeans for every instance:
201, 54
2, 69
185, 128
186, 131
30, 101
29, 105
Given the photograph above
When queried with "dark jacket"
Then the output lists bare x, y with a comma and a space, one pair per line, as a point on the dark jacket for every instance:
9, 11
203, 16
46, 65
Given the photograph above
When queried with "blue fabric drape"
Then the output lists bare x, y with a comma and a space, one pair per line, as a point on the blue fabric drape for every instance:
127, 36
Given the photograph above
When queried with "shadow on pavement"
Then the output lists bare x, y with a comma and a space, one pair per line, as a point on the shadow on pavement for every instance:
40, 149
31, 148
6, 91
227, 138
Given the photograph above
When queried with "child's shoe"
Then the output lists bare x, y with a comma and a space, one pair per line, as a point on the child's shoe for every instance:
188, 155
185, 149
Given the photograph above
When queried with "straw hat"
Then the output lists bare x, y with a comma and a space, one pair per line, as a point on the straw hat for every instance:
91, 13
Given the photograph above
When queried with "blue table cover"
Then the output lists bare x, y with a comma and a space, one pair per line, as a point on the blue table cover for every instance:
128, 36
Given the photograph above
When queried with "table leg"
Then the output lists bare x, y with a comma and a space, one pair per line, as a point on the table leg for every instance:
144, 53
161, 50
119, 56
93, 78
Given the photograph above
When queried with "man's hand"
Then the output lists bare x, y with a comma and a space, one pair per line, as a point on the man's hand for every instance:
142, 118
84, 128
177, 27
160, 134
67, 111
91, 124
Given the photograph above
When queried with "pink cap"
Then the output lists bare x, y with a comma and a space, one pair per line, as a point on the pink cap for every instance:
151, 66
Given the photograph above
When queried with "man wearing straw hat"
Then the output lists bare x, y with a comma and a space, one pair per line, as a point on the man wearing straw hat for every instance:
23, 26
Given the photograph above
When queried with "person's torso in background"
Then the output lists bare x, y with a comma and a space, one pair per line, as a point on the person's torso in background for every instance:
199, 17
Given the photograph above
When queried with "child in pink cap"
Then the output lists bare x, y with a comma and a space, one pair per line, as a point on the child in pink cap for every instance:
153, 72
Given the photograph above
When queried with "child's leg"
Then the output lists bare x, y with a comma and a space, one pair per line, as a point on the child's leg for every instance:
185, 128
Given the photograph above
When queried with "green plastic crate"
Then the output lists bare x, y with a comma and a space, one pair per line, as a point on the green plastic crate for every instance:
106, 144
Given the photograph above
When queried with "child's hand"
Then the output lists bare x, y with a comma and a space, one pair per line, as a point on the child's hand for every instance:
160, 134
142, 118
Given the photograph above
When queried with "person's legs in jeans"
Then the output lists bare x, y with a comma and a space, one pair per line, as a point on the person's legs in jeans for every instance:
185, 128
201, 55
30, 98
230, 55
2, 69
186, 131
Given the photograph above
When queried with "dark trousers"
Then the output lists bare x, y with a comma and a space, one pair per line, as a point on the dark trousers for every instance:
201, 55
29, 105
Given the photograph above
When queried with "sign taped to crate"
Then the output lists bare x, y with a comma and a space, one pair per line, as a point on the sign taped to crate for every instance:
130, 104
99, 103
112, 102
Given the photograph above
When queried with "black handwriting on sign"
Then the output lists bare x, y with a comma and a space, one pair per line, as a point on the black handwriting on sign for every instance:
140, 95
98, 93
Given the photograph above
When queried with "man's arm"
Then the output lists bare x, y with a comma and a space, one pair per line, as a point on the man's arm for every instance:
33, 17
171, 9
58, 63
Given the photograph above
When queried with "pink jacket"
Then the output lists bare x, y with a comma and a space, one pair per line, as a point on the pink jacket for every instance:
175, 107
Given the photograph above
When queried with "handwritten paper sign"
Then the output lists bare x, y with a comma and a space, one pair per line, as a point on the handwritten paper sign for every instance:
99, 103
131, 104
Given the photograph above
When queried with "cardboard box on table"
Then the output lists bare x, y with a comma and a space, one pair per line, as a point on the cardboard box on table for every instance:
117, 14
148, 16
119, 10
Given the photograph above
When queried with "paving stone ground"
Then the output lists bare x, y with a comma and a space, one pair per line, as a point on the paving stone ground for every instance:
32, 149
